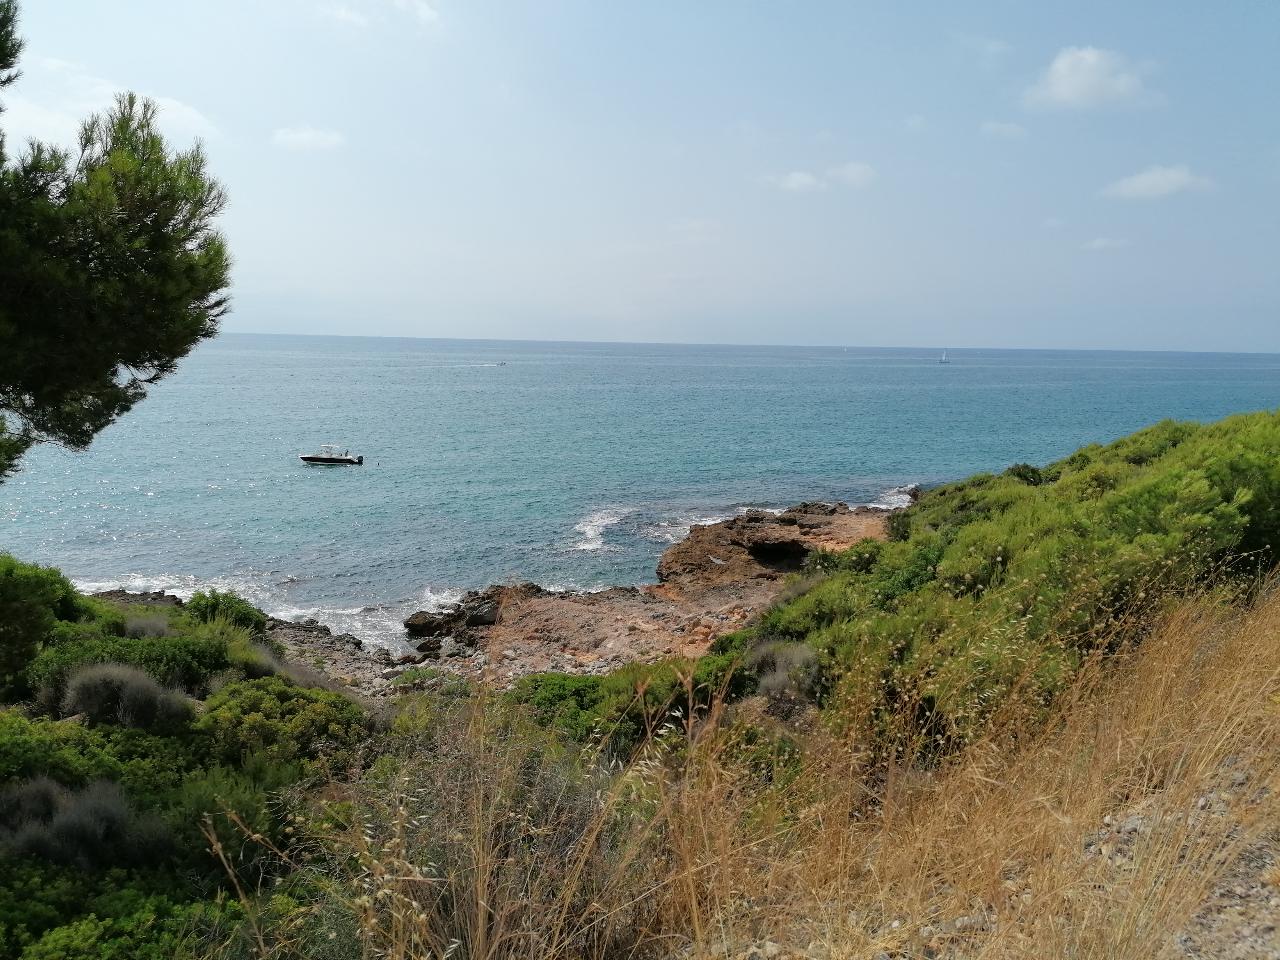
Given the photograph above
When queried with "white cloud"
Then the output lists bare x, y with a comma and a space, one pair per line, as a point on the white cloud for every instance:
1002, 130
26, 119
307, 138
1082, 77
853, 174
183, 116
69, 93
1155, 182
424, 11
344, 14
1105, 243
800, 181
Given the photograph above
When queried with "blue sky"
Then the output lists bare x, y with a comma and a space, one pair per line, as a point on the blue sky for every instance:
979, 174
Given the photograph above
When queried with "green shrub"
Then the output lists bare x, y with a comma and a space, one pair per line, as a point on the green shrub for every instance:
439, 682
117, 693
242, 808
90, 828
67, 752
1032, 476
49, 911
149, 767
216, 605
274, 719
185, 662
32, 600
133, 926
625, 706
147, 624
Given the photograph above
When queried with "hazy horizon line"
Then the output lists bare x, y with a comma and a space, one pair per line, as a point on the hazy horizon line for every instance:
938, 348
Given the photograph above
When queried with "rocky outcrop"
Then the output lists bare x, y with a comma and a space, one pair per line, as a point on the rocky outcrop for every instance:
762, 546
311, 647
709, 584
478, 608
156, 598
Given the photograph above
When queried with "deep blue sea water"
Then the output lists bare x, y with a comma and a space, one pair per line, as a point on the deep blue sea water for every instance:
573, 465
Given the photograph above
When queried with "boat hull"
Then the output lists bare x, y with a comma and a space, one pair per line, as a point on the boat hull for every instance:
318, 461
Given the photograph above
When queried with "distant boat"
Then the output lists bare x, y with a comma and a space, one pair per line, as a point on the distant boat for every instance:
330, 455
943, 358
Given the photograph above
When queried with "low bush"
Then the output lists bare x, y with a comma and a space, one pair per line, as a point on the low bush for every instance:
34, 800
118, 693
271, 718
32, 600
90, 828
67, 752
147, 766
784, 668
625, 707
216, 605
185, 662
147, 624
125, 923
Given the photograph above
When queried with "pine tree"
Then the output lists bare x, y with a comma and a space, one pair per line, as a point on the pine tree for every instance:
111, 269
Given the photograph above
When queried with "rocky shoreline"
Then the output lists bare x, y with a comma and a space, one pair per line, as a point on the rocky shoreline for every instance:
711, 583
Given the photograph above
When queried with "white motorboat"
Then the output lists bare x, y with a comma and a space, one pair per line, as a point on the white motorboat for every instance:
331, 455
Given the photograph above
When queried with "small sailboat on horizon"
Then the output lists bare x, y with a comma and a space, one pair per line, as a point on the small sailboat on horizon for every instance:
943, 358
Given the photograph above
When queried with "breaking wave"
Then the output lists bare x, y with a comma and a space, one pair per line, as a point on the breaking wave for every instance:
896, 498
675, 529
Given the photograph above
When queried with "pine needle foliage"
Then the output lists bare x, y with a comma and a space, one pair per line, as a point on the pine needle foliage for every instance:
111, 269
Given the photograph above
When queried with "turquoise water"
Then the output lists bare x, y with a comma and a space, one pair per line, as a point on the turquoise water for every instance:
573, 465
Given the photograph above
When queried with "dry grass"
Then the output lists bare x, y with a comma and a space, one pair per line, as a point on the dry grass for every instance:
1097, 835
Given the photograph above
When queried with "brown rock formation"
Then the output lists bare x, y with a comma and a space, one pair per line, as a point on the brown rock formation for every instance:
709, 584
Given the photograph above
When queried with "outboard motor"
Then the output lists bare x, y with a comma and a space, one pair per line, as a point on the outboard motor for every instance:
360, 460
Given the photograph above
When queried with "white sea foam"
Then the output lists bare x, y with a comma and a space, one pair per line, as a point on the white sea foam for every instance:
435, 600
563, 586
375, 625
180, 585
675, 529
895, 498
593, 527
749, 508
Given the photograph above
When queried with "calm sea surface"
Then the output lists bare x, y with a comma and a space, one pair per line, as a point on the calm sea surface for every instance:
573, 465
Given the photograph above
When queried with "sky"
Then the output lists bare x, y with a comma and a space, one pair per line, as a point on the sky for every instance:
989, 174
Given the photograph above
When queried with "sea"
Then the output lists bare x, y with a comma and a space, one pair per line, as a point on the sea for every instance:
573, 465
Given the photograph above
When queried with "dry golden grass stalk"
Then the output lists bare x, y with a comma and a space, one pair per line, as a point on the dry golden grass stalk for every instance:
1096, 833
